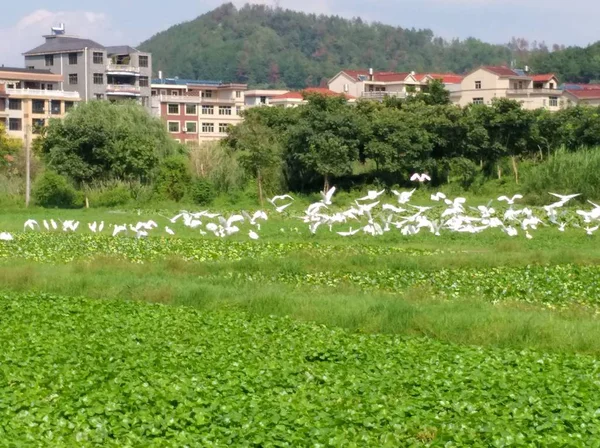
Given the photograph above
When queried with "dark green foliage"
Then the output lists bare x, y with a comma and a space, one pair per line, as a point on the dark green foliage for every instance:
100, 140
117, 195
265, 46
54, 190
173, 178
202, 192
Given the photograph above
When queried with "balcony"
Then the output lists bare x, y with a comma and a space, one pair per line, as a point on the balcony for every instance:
123, 89
51, 94
178, 99
122, 69
382, 95
554, 92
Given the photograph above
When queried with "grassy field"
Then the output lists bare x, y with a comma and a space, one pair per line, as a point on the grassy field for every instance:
511, 322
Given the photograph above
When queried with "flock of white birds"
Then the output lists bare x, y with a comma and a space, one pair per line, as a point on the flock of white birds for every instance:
368, 215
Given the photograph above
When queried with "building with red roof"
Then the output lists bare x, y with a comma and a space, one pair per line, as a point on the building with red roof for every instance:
373, 84
292, 99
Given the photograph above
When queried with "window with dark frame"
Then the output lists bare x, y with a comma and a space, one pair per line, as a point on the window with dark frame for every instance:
72, 58
99, 78
73, 79
143, 61
49, 58
98, 57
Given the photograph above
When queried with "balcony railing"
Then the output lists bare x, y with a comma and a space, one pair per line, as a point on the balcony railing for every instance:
122, 68
382, 95
123, 89
554, 92
196, 99
52, 94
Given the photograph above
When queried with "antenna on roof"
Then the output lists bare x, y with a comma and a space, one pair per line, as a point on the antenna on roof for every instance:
58, 30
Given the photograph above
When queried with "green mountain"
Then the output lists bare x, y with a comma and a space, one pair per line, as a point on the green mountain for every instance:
265, 46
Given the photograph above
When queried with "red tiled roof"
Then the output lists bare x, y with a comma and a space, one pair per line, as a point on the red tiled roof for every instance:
585, 93
543, 77
500, 70
320, 90
447, 78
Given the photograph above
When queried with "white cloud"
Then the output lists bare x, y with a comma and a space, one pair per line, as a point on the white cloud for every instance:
27, 32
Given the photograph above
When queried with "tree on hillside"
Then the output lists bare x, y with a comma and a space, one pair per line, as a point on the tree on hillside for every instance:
100, 140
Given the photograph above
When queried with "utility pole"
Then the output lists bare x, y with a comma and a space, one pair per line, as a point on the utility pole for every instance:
27, 163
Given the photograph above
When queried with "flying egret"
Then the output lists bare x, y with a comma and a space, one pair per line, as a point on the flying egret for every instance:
438, 196
416, 177
404, 197
31, 224
5, 236
328, 195
510, 201
169, 231
279, 198
371, 195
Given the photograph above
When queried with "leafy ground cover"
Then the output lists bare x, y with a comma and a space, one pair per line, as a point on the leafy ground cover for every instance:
86, 372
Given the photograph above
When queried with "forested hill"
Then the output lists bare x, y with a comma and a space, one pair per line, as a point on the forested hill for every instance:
263, 46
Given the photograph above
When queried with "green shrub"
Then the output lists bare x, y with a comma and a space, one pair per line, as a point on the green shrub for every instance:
117, 195
202, 192
54, 190
173, 178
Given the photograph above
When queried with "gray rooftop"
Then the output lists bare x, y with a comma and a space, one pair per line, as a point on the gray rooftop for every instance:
25, 70
120, 49
60, 44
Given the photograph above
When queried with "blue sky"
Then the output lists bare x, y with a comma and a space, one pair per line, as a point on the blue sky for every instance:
128, 22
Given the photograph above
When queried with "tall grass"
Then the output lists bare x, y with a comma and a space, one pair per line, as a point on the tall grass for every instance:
212, 161
567, 172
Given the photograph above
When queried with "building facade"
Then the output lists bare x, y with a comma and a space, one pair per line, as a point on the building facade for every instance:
487, 83
370, 84
93, 70
30, 98
261, 97
195, 111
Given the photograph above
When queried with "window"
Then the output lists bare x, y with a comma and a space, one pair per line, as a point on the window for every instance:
14, 104
263, 100
31, 67
174, 92
553, 101
223, 127
238, 94
238, 110
38, 124
73, 78
153, 92
99, 96
173, 109
208, 110
224, 110
98, 78
143, 61
478, 101
55, 107
173, 127
478, 85
49, 60
15, 124
38, 106
163, 92
551, 85
49, 87
207, 94
208, 127
69, 105
144, 81
190, 109
72, 58
98, 57
191, 127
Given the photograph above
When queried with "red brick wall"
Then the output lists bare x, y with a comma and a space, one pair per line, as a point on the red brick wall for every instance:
181, 118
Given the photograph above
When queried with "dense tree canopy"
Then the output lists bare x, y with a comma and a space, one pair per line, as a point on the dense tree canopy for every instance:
102, 140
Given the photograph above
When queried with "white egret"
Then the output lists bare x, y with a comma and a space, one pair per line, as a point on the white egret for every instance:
169, 231
510, 201
253, 235
5, 236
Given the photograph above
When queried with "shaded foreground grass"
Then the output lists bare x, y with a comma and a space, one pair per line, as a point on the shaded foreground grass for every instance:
82, 372
413, 312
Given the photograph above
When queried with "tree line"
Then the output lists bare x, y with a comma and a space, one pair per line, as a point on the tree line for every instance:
368, 142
